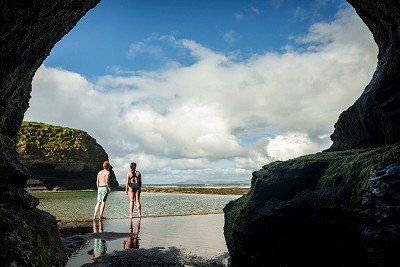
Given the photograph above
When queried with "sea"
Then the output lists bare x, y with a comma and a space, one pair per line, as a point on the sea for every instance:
79, 205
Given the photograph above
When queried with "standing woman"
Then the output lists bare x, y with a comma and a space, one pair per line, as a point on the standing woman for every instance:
132, 188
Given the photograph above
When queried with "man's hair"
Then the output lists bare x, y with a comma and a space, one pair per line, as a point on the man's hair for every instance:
106, 165
133, 166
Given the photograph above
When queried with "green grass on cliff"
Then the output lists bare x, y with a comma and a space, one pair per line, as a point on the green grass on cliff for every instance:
53, 142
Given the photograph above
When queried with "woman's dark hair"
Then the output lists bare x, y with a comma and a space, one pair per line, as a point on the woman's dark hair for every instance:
133, 166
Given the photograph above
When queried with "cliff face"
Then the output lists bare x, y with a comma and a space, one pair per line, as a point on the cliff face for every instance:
28, 31
373, 120
60, 156
340, 207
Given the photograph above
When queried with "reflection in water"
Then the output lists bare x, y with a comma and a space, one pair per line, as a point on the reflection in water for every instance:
200, 236
133, 241
100, 245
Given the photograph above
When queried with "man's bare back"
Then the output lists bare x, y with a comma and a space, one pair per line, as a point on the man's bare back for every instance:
103, 178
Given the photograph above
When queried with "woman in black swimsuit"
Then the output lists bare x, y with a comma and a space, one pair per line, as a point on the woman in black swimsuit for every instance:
132, 188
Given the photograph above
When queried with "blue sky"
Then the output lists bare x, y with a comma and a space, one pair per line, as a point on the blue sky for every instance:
101, 41
208, 90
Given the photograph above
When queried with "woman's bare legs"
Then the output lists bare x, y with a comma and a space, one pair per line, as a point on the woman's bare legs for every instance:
131, 203
138, 204
95, 210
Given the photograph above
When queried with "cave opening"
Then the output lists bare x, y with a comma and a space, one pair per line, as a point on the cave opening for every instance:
162, 95
347, 189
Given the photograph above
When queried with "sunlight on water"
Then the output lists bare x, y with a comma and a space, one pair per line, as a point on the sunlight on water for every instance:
71, 206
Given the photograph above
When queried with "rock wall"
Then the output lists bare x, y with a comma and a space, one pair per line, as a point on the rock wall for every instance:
60, 157
373, 120
28, 31
327, 209
340, 207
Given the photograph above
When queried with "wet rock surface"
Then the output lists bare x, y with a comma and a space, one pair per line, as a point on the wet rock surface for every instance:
60, 157
381, 208
157, 256
28, 236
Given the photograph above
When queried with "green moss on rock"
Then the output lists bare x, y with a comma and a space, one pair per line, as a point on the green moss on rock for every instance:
60, 156
28, 236
308, 209
55, 143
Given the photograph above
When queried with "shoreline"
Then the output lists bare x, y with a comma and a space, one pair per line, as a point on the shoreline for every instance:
170, 190
63, 223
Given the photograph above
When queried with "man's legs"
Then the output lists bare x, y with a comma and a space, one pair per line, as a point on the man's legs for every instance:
95, 210
102, 206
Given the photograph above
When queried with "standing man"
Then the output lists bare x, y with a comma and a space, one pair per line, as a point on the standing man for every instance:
103, 188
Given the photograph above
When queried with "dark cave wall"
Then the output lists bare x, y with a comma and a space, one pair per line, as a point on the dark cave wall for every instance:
374, 119
28, 31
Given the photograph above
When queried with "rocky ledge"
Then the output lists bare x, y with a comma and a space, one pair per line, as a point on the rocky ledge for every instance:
327, 209
60, 157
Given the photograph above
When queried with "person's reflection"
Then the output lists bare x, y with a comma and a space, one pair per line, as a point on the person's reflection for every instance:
100, 246
133, 241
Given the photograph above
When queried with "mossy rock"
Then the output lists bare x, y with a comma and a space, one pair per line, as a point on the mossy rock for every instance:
61, 156
28, 236
313, 210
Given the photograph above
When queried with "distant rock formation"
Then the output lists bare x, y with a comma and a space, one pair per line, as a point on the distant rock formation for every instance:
28, 31
60, 157
340, 207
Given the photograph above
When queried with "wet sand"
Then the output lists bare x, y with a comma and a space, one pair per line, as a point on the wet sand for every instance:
175, 241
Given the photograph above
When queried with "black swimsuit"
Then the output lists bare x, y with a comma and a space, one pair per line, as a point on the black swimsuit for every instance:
134, 186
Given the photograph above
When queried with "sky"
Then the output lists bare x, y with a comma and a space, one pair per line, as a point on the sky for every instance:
206, 90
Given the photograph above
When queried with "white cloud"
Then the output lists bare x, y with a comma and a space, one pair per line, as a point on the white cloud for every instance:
255, 10
178, 121
141, 47
292, 145
238, 15
230, 37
